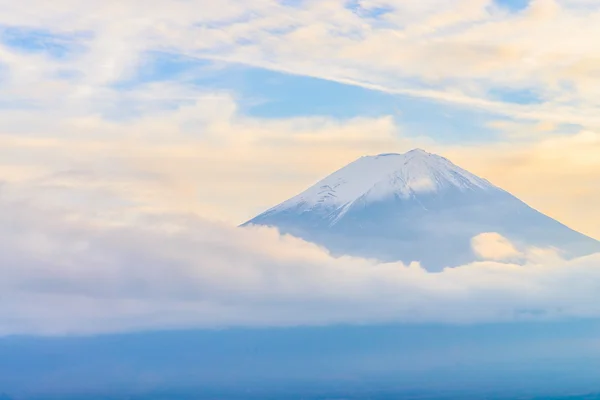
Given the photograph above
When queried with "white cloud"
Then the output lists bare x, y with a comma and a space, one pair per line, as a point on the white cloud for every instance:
448, 51
493, 246
65, 272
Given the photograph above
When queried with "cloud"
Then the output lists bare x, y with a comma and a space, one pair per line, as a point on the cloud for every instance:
66, 272
493, 246
478, 47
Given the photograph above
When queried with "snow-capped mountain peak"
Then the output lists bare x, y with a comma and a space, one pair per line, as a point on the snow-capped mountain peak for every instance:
414, 206
373, 178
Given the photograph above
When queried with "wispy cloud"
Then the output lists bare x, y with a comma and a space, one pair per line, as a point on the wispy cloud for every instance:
458, 52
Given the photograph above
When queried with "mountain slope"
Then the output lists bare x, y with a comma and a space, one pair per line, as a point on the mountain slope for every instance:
415, 206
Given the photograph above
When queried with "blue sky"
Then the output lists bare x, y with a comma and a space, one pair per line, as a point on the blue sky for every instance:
513, 5
32, 40
269, 94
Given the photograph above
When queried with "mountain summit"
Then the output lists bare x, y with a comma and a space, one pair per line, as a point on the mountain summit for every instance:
374, 178
415, 206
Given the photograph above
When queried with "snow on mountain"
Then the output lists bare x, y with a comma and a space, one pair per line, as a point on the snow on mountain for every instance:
385, 175
415, 206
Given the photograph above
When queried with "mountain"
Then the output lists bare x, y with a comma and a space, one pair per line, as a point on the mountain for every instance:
415, 206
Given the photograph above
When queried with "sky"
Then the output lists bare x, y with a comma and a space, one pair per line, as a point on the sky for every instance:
123, 126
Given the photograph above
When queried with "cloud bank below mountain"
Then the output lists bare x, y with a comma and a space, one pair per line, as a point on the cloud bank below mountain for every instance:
67, 273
